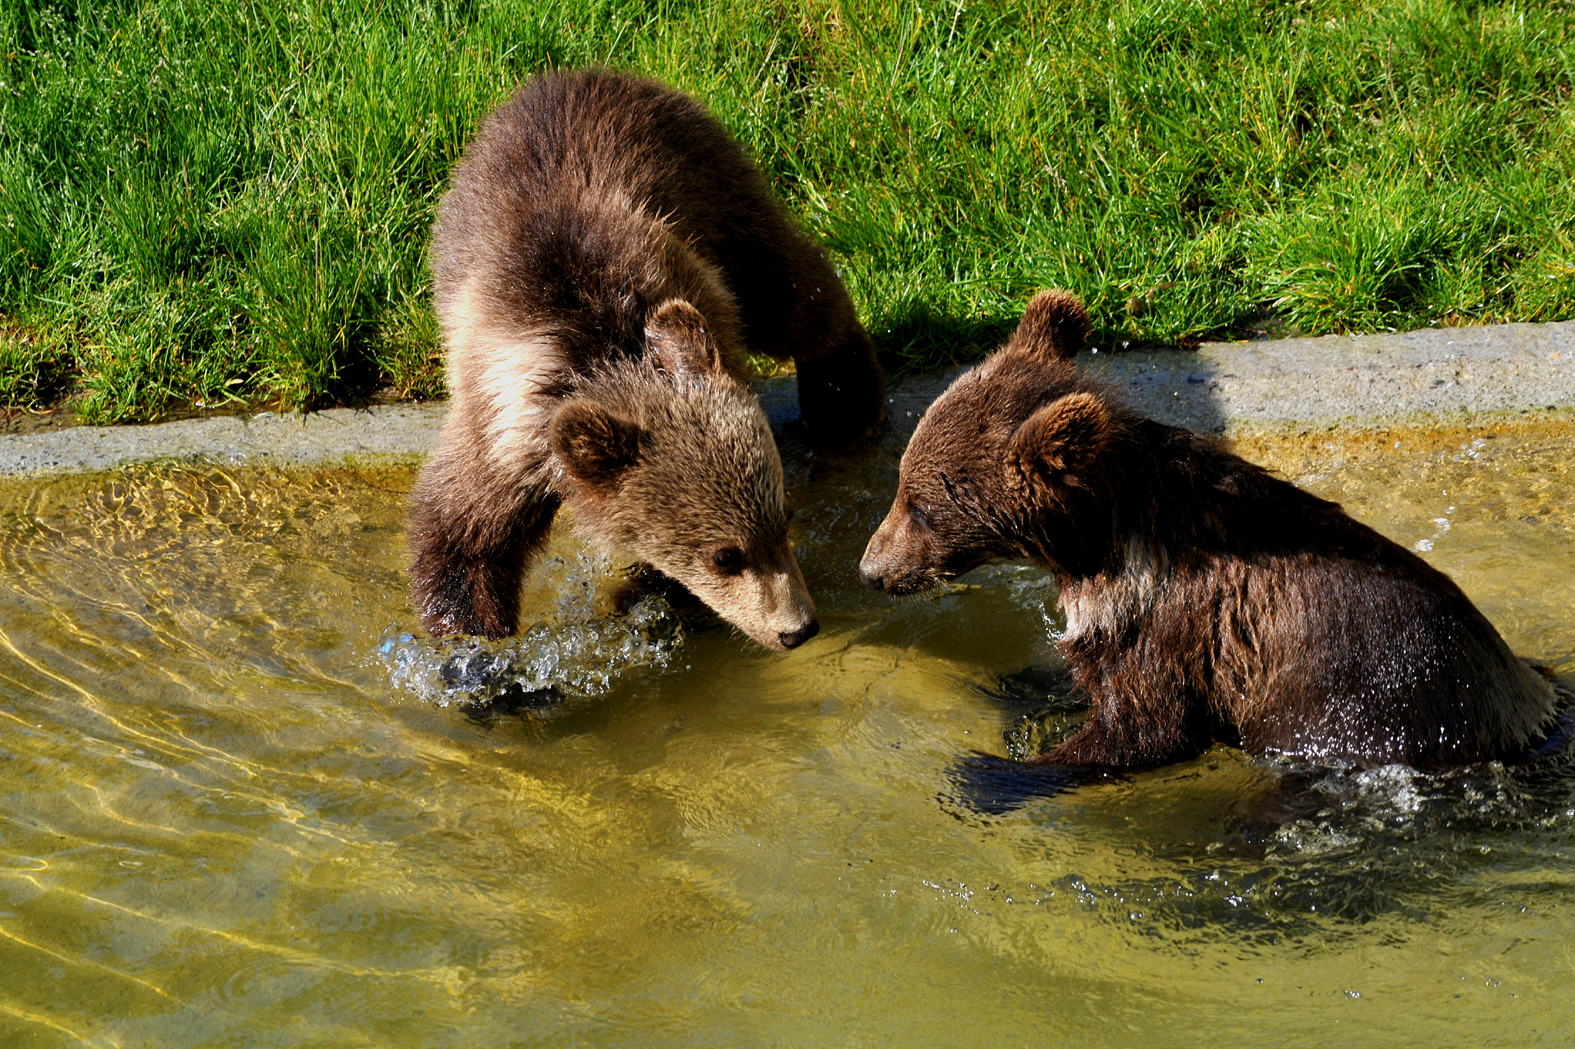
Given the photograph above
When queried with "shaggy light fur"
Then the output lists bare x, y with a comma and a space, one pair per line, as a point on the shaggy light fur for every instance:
604, 256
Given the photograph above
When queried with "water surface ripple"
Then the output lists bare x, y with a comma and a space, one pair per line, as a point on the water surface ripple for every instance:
243, 802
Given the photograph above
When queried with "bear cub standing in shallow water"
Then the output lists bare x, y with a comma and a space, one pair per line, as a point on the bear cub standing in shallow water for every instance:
603, 257
1204, 598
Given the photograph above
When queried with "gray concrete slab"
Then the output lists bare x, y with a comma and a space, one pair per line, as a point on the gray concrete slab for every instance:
1363, 381
389, 432
1448, 375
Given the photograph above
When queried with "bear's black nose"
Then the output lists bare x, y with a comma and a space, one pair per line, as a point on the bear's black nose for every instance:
797, 637
869, 579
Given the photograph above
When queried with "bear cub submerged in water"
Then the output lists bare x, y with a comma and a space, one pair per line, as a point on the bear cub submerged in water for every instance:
603, 257
1205, 599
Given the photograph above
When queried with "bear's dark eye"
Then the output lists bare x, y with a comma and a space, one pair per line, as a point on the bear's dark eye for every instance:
729, 560
920, 517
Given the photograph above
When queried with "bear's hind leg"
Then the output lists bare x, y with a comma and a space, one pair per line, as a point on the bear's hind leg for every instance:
840, 390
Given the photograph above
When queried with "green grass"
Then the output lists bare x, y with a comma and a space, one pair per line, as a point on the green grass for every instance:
212, 203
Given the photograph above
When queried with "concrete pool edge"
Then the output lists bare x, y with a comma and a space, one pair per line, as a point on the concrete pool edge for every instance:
1448, 377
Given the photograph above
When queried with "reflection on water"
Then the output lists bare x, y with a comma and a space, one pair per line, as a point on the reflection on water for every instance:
240, 805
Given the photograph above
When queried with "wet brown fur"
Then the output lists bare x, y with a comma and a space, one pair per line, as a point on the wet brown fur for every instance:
1205, 598
606, 246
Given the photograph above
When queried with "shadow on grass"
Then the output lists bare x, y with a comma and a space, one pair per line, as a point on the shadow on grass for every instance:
918, 336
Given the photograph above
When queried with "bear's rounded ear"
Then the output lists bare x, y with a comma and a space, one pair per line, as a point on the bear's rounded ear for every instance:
679, 340
1065, 436
1054, 325
594, 445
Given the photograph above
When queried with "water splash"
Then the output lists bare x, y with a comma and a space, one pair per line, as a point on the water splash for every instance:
577, 650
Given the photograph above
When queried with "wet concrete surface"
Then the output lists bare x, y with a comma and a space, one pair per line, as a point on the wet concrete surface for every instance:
340, 434
1447, 376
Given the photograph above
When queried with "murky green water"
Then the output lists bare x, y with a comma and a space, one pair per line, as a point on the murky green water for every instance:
239, 807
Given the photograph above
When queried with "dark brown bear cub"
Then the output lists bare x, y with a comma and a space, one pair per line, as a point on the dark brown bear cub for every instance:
1204, 598
603, 258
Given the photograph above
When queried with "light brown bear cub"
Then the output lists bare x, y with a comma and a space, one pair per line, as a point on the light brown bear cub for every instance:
1205, 599
603, 257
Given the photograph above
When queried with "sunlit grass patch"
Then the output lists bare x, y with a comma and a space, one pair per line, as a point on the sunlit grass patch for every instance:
206, 202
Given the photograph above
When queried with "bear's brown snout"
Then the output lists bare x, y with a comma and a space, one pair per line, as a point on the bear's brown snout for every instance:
893, 561
872, 567
794, 638
767, 601
789, 613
